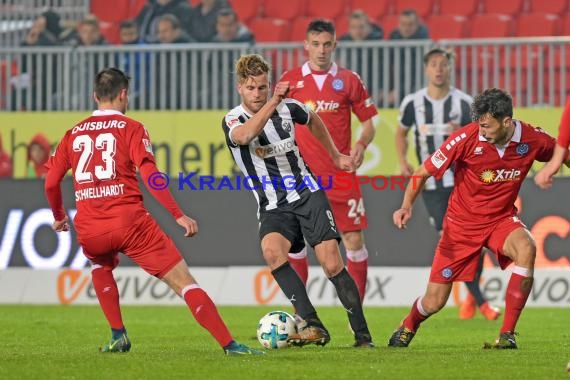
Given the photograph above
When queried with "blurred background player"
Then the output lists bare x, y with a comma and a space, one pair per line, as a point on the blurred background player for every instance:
434, 113
39, 150
6, 167
111, 216
544, 177
481, 210
260, 134
333, 93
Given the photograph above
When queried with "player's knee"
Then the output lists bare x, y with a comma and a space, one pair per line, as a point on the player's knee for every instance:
353, 240
274, 257
432, 305
525, 252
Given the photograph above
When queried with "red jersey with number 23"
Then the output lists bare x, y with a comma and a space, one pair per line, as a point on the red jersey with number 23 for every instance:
103, 152
488, 178
341, 92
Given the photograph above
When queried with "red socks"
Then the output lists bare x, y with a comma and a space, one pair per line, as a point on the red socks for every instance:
299, 262
417, 315
206, 313
357, 266
517, 294
108, 296
359, 272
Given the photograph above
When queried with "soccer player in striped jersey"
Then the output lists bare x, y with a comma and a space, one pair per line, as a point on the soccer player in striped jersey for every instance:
334, 93
492, 157
433, 113
260, 134
544, 177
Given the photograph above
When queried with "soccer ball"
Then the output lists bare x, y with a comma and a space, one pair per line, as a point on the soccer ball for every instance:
274, 328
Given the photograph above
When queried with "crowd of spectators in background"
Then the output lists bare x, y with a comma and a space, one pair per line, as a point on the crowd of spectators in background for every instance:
176, 22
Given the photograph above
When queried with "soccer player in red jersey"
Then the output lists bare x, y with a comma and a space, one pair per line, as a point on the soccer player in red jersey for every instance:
492, 156
333, 93
103, 152
432, 113
544, 176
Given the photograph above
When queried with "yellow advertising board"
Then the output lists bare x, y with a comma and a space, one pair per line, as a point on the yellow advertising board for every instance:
193, 141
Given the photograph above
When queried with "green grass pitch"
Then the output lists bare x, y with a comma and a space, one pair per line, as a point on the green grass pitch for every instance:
59, 342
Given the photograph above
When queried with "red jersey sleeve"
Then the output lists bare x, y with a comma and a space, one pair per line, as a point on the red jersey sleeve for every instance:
546, 146
140, 151
362, 104
140, 147
164, 197
58, 164
450, 151
564, 128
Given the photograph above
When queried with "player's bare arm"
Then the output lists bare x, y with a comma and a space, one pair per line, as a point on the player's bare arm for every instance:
243, 134
414, 188
402, 150
366, 137
319, 130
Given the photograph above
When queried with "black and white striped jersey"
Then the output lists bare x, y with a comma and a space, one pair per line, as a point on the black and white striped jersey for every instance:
271, 162
431, 121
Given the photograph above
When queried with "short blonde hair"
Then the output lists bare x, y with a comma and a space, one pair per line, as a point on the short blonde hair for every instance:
251, 65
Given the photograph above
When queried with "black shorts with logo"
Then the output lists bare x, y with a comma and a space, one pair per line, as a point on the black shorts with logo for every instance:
436, 204
310, 218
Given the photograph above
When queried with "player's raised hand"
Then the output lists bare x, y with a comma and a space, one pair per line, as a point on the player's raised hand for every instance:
189, 224
344, 162
281, 90
401, 217
61, 225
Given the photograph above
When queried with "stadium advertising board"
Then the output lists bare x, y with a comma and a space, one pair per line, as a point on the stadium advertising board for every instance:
387, 287
228, 228
193, 141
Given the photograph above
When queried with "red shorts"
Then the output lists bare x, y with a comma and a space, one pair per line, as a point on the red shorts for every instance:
459, 249
347, 205
143, 241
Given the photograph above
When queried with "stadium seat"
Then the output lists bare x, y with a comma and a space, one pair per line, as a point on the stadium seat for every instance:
275, 9
537, 25
110, 10
269, 29
424, 8
341, 25
549, 6
490, 25
246, 10
464, 7
447, 26
374, 9
510, 7
299, 28
566, 25
389, 23
328, 9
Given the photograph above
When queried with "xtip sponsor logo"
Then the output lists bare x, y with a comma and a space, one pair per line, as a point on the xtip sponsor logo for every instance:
500, 175
322, 105
265, 287
70, 283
